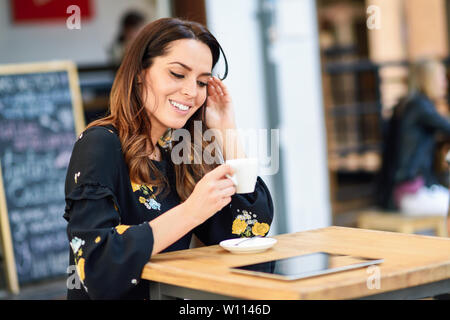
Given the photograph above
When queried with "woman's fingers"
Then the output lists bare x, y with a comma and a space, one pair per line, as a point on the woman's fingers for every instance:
211, 88
219, 90
224, 183
217, 87
221, 171
221, 87
228, 192
224, 202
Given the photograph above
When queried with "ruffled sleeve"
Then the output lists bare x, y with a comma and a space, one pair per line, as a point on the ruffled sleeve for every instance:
248, 215
108, 255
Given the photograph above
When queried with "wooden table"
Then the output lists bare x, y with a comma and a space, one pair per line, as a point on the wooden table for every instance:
414, 267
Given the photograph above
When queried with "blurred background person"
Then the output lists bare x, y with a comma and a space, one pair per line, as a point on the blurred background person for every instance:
408, 180
131, 23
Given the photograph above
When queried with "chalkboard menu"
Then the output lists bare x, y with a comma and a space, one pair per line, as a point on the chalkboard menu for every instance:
40, 118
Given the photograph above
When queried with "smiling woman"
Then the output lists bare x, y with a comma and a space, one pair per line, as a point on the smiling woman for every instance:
167, 65
126, 200
181, 88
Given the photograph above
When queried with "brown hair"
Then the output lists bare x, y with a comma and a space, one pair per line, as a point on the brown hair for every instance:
127, 111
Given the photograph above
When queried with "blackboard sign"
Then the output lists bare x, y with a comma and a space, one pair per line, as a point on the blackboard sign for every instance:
40, 118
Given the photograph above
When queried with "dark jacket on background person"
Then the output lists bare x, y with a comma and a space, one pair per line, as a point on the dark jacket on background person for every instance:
409, 145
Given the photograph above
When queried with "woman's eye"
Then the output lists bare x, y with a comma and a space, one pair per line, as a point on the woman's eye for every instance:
179, 76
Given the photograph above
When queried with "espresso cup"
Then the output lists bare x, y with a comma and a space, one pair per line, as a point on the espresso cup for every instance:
245, 174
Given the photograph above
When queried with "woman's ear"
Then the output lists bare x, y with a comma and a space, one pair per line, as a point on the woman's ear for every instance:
141, 77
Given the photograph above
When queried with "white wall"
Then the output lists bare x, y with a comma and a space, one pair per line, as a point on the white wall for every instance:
240, 42
234, 23
40, 42
303, 127
296, 54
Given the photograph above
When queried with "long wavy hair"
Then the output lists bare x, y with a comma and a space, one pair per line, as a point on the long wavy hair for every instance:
127, 111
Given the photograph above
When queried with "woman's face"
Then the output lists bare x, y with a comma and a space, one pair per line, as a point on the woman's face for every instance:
176, 84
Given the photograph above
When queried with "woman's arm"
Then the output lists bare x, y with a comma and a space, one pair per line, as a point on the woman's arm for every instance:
431, 119
171, 226
212, 193
109, 255
247, 215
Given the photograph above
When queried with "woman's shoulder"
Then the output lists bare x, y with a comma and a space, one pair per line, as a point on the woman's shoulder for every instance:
420, 100
100, 137
413, 105
99, 143
96, 157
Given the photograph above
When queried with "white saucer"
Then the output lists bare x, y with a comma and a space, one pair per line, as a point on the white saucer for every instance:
252, 245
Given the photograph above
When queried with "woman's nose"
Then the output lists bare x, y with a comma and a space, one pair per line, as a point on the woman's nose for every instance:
190, 89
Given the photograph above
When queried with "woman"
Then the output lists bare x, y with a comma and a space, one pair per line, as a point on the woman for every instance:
130, 25
126, 200
410, 184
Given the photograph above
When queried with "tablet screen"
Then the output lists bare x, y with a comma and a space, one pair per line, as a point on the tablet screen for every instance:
306, 265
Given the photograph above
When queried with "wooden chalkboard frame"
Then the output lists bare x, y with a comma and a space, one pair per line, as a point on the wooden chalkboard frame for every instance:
77, 108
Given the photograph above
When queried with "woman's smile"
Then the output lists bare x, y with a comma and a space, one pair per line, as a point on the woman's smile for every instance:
179, 107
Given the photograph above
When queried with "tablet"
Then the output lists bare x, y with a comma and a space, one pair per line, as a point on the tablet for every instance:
306, 265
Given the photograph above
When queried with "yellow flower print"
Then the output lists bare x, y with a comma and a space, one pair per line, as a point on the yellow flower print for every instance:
239, 226
97, 240
148, 199
80, 252
260, 229
135, 186
165, 140
80, 268
121, 228
144, 187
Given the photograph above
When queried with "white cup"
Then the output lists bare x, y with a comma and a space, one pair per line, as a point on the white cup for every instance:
245, 174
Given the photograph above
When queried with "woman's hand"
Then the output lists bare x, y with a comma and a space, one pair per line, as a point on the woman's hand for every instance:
220, 116
211, 194
219, 107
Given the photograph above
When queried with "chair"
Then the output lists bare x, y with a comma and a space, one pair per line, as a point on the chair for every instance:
397, 222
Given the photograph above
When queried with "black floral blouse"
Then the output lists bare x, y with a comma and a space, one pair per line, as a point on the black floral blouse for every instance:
107, 214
